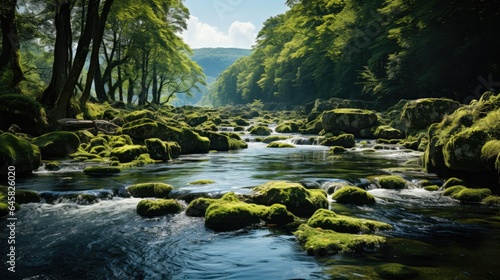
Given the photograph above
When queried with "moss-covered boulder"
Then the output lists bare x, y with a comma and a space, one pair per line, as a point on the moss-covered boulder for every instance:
392, 182
158, 190
489, 154
198, 207
223, 142
431, 188
471, 196
59, 144
158, 149
288, 127
396, 271
387, 132
320, 242
348, 120
101, 170
420, 114
297, 199
327, 219
314, 126
462, 152
128, 153
453, 181
353, 195
274, 138
279, 144
26, 196
53, 166
24, 112
85, 136
450, 191
19, 153
158, 207
260, 130
335, 150
343, 140
139, 114
277, 214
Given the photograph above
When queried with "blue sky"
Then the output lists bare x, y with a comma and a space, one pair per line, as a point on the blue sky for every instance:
228, 23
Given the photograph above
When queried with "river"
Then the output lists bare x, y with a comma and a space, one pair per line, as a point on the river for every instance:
108, 240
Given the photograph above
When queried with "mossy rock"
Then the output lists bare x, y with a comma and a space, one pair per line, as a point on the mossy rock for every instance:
450, 191
158, 149
4, 209
97, 141
232, 214
453, 181
492, 200
278, 214
348, 120
218, 141
387, 132
471, 196
353, 195
392, 182
25, 196
198, 207
327, 219
101, 170
260, 130
140, 114
432, 188
158, 190
297, 199
158, 207
23, 111
79, 198
274, 138
288, 127
489, 154
53, 166
194, 119
115, 141
128, 153
420, 114
97, 150
320, 242
396, 271
85, 136
202, 182
17, 152
343, 140
313, 127
463, 151
279, 144
335, 150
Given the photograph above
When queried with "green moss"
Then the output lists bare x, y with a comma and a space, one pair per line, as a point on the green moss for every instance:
319, 242
198, 207
489, 154
158, 149
97, 141
260, 130
326, 219
344, 140
421, 113
392, 182
396, 271
348, 120
140, 114
128, 153
492, 200
101, 170
470, 196
337, 150
353, 195
85, 136
18, 152
98, 149
278, 144
432, 188
52, 166
387, 132
288, 127
452, 182
23, 111
278, 214
273, 138
25, 196
159, 190
453, 190
297, 199
462, 152
158, 207
202, 182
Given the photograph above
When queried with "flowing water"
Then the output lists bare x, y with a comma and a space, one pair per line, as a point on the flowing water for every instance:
61, 239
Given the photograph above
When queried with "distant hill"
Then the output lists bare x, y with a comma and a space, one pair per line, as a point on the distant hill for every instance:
213, 61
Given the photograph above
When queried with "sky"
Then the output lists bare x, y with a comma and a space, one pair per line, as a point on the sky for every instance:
228, 23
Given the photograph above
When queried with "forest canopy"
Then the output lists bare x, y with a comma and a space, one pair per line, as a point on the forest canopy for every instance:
383, 50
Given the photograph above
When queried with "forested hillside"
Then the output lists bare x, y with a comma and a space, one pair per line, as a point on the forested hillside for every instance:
213, 61
371, 50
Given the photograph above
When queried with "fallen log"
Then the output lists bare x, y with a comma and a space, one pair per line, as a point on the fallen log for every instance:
100, 125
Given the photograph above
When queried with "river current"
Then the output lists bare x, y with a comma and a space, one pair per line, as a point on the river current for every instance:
61, 239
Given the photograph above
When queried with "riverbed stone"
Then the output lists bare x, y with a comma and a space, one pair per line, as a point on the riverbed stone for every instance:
288, 127
297, 199
450, 191
158, 207
158, 149
353, 195
59, 144
392, 182
343, 140
347, 120
327, 219
421, 113
158, 190
278, 214
23, 111
279, 144
128, 153
27, 196
471, 196
198, 207
260, 130
19, 153
101, 170
321, 242
462, 152
396, 271
388, 132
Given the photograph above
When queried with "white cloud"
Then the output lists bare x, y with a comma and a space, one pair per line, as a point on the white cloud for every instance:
203, 35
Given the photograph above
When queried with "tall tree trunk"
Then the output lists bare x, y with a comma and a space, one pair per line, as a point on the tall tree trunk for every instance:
62, 53
10, 55
155, 86
94, 73
63, 102
130, 92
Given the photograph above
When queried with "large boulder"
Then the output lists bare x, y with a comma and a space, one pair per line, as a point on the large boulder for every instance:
348, 120
24, 112
223, 142
420, 114
327, 219
59, 144
18, 153
158, 149
297, 199
128, 153
343, 140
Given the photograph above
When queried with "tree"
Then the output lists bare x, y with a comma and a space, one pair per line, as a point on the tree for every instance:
10, 54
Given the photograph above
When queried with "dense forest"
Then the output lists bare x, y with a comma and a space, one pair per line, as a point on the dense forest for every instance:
60, 52
213, 61
370, 50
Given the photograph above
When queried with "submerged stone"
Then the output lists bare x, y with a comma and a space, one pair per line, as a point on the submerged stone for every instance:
327, 219
101, 170
158, 190
395, 271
